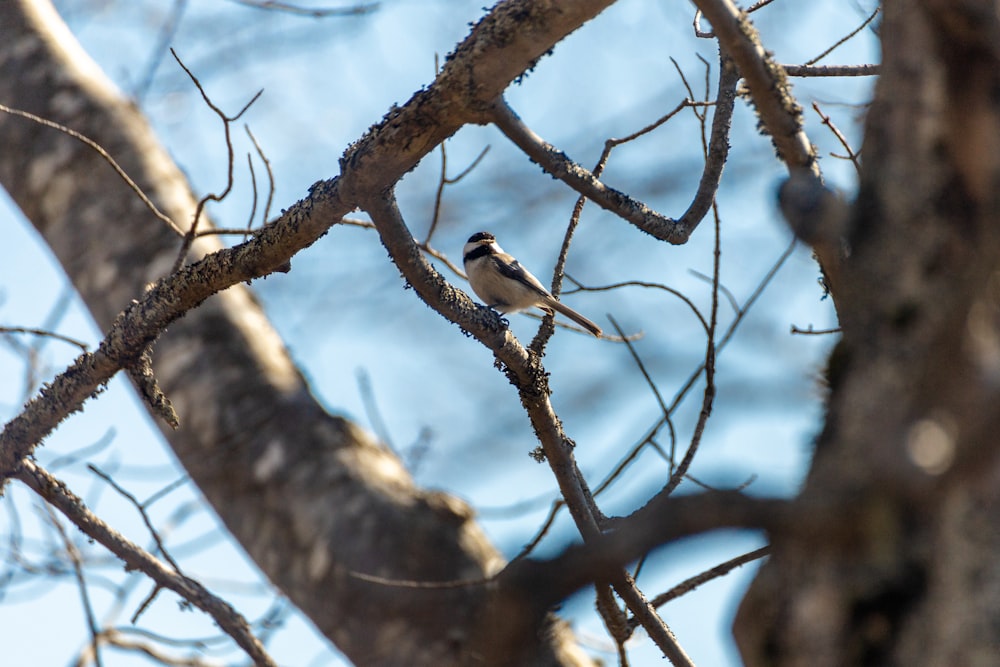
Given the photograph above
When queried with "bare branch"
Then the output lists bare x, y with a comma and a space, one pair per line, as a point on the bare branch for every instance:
852, 156
832, 70
779, 113
46, 334
227, 121
527, 374
134, 556
708, 396
142, 512
313, 12
659, 523
720, 570
642, 369
559, 165
372, 410
81, 583
588, 184
845, 38
445, 180
97, 148
270, 176
809, 331
167, 33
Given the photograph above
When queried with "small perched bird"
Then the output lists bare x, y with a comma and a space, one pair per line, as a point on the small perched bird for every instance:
506, 286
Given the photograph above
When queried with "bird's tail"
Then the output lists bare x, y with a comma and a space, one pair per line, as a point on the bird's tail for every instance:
576, 317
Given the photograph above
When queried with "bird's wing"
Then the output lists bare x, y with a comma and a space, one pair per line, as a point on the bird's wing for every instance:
512, 269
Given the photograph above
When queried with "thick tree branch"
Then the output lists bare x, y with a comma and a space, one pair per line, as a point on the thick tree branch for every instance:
666, 520
528, 588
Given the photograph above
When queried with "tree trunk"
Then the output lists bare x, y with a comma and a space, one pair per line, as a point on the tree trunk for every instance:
900, 565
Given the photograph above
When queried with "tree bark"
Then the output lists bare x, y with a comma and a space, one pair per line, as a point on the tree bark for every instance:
900, 567
310, 496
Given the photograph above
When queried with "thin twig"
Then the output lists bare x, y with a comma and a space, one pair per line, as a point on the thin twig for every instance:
832, 70
81, 582
545, 332
726, 292
815, 332
270, 175
169, 488
664, 410
734, 325
542, 531
632, 455
583, 181
168, 32
253, 201
228, 619
47, 334
642, 283
97, 148
443, 181
708, 396
312, 12
142, 512
852, 156
845, 38
694, 582
227, 121
371, 409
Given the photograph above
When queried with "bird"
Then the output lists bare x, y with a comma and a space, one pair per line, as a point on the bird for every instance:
506, 286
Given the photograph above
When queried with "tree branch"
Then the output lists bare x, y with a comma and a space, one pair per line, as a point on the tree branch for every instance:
135, 557
659, 523
527, 374
779, 113
580, 179
588, 184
